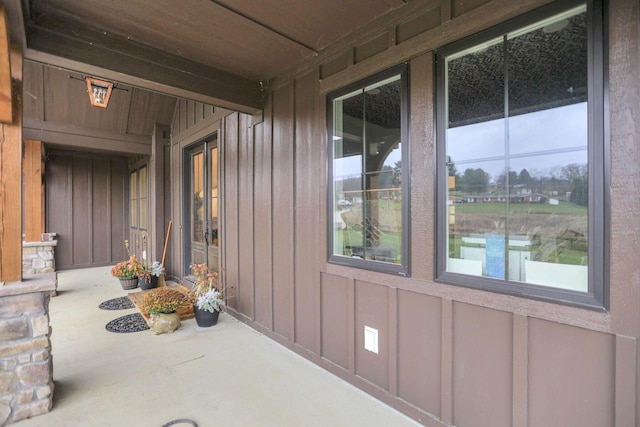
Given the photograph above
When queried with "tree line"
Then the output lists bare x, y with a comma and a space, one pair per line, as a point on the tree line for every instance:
571, 178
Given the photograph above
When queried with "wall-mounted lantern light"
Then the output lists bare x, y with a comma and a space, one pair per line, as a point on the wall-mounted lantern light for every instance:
99, 91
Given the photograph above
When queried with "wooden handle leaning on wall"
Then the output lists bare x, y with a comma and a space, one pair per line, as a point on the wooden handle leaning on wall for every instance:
166, 242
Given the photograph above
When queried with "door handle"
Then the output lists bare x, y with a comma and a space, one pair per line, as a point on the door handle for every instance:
206, 236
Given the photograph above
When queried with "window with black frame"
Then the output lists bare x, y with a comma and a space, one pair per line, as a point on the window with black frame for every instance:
368, 130
521, 158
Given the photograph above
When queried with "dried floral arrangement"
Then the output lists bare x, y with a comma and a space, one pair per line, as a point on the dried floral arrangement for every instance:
208, 292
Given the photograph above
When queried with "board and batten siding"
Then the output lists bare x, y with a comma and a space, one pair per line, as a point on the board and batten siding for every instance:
87, 206
447, 355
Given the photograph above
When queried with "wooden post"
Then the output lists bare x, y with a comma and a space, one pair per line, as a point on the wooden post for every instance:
11, 178
6, 94
33, 191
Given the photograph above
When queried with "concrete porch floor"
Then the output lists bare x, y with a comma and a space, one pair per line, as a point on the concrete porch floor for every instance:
228, 374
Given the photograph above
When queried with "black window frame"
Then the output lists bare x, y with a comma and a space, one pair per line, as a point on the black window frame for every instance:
597, 296
403, 268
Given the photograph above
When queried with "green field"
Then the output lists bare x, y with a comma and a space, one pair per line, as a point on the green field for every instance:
558, 233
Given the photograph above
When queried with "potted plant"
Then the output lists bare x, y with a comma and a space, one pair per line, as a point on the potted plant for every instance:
207, 308
148, 276
127, 272
207, 295
161, 305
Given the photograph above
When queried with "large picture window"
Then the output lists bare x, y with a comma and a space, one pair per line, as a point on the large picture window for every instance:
521, 158
368, 200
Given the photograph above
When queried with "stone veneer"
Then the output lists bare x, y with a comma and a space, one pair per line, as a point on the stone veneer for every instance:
26, 369
38, 257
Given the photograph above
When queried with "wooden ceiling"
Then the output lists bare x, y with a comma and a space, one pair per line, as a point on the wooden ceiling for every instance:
220, 52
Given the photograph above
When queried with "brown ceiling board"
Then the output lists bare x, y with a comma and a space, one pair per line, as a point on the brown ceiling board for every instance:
313, 23
199, 30
78, 34
208, 84
147, 109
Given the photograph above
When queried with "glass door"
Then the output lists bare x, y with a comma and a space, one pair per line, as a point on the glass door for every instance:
203, 204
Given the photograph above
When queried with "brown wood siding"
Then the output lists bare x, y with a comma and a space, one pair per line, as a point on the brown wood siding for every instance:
58, 173
283, 214
372, 309
447, 355
82, 212
308, 196
482, 366
570, 376
336, 317
419, 350
230, 153
60, 108
419, 24
463, 6
86, 207
176, 239
100, 204
146, 109
263, 226
245, 217
119, 219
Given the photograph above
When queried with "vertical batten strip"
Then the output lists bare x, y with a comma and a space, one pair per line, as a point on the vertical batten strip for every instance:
520, 370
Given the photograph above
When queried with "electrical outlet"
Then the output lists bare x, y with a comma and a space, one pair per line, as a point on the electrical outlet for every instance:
371, 339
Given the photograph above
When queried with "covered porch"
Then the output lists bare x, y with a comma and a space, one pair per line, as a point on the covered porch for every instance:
141, 379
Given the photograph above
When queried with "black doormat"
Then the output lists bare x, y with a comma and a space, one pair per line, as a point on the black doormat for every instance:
129, 323
121, 303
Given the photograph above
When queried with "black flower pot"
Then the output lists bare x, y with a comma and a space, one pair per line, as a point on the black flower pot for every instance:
144, 285
205, 319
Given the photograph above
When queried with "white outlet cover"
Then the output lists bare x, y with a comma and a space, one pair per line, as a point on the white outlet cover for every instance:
371, 339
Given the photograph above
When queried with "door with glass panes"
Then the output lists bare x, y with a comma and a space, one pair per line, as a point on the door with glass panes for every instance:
203, 204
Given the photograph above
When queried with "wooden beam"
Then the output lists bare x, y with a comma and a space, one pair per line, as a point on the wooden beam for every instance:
117, 58
11, 184
6, 101
86, 138
32, 168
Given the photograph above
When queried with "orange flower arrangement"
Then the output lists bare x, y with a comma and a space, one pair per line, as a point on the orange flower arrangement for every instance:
127, 269
164, 300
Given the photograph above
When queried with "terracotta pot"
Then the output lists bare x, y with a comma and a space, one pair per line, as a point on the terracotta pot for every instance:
128, 284
204, 318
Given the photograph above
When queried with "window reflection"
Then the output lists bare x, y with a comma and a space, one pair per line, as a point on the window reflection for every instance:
517, 149
367, 172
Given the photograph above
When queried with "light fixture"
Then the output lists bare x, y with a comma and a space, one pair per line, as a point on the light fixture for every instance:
99, 92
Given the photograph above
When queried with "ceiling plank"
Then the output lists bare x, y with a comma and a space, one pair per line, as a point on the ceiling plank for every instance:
139, 65
6, 99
